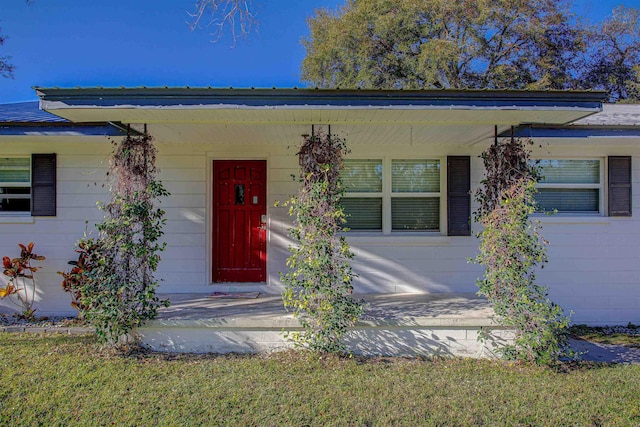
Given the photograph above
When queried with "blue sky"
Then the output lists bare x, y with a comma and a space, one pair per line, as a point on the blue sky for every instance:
70, 43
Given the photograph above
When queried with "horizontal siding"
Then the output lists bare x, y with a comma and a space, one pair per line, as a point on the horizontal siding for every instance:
593, 268
88, 161
81, 175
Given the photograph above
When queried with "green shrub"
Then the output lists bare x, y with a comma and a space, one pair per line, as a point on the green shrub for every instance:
78, 277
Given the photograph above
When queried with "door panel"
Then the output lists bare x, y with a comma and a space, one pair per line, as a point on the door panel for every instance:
239, 205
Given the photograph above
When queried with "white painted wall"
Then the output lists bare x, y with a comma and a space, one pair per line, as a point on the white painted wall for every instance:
82, 165
594, 266
594, 262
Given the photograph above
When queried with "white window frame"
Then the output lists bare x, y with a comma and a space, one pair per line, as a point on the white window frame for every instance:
386, 195
17, 185
600, 186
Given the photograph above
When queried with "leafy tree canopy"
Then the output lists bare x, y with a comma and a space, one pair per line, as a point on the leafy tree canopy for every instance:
524, 44
614, 63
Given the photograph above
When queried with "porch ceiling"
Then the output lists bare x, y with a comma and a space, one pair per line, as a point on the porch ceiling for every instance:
316, 115
278, 115
368, 134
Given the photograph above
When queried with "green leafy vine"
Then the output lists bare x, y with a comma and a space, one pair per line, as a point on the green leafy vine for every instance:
318, 285
115, 284
511, 250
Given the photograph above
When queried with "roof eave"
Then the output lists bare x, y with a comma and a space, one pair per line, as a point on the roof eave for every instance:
111, 97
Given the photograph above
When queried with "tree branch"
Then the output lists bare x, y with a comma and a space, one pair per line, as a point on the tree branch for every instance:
236, 15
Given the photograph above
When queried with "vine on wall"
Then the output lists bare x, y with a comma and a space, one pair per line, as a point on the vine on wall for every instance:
511, 250
318, 285
116, 290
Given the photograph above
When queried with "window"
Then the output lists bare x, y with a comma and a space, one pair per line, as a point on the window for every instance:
362, 180
28, 185
392, 195
15, 185
570, 186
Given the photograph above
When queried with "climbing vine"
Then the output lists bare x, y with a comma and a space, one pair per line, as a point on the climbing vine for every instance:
506, 162
115, 284
511, 250
318, 285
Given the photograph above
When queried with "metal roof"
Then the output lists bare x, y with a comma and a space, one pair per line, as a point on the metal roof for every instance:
280, 107
27, 119
614, 115
309, 98
27, 112
614, 121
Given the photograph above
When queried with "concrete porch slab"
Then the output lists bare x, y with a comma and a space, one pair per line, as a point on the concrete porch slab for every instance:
393, 324
381, 309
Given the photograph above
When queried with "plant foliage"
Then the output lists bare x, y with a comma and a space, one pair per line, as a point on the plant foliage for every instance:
318, 285
442, 44
417, 44
21, 288
79, 276
511, 249
114, 282
506, 163
614, 65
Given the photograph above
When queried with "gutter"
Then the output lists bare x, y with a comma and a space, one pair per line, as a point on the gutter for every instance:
58, 98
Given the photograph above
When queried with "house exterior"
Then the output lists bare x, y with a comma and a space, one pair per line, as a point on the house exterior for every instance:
228, 156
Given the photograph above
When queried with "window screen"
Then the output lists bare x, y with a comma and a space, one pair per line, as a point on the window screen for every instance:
15, 185
362, 176
410, 203
415, 176
569, 186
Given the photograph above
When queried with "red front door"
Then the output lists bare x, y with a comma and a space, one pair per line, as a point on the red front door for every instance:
239, 220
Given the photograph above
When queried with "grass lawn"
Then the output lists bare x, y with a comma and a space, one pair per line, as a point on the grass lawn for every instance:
56, 380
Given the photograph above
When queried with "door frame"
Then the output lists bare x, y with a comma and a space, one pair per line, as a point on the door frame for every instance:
222, 155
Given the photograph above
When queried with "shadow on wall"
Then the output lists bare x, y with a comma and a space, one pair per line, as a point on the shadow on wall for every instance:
382, 274
367, 342
424, 342
377, 342
207, 340
11, 303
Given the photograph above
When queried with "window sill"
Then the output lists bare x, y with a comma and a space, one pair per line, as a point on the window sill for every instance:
16, 219
396, 239
573, 219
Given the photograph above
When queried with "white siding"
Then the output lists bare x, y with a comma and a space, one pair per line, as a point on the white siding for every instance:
81, 170
594, 268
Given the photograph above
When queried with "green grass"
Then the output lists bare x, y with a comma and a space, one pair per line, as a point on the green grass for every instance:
630, 337
56, 380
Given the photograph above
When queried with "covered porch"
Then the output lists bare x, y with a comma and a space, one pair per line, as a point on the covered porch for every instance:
197, 129
440, 324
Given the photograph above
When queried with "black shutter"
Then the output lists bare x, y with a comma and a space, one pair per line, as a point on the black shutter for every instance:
459, 196
43, 185
619, 186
